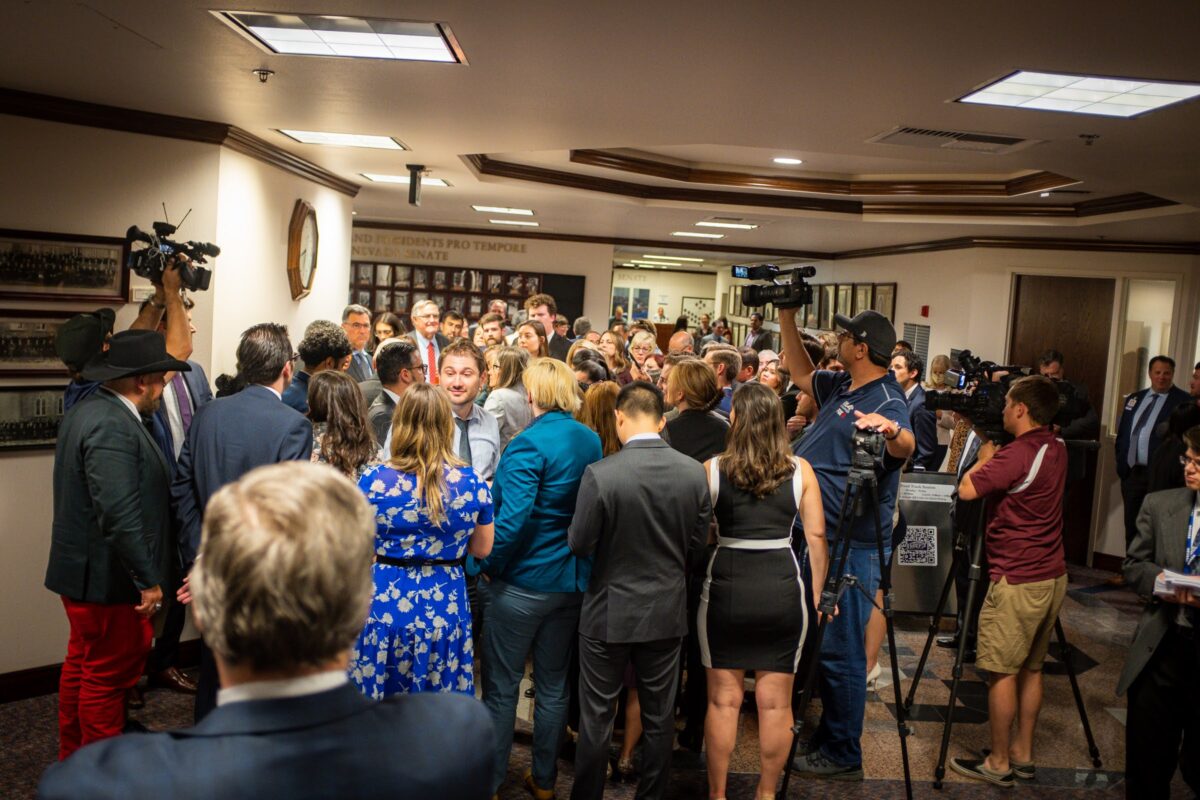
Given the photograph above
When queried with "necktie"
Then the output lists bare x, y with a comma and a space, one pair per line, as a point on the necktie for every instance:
364, 363
1135, 449
185, 403
464, 441
432, 361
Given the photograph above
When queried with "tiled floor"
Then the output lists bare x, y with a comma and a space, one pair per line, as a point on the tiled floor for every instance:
1099, 620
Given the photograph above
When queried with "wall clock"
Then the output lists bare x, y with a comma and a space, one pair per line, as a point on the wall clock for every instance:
302, 249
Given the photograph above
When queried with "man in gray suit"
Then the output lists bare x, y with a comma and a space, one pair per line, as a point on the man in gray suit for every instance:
1163, 661
643, 512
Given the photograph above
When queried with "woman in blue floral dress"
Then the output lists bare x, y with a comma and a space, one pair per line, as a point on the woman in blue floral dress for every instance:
430, 512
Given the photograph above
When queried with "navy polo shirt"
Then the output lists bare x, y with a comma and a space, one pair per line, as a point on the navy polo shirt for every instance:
826, 445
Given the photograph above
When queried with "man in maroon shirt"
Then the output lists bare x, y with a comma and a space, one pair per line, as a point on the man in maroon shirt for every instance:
1027, 569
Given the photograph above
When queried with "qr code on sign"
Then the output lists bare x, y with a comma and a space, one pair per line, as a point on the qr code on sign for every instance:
919, 548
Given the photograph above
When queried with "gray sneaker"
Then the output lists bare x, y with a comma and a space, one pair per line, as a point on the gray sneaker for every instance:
818, 765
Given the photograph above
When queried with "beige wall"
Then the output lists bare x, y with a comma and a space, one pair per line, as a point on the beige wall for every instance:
667, 289
72, 179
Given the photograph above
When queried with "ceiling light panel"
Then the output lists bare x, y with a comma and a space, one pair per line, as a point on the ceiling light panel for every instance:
523, 223
737, 226
641, 263
787, 162
1082, 94
346, 37
344, 139
524, 212
674, 258
378, 178
698, 235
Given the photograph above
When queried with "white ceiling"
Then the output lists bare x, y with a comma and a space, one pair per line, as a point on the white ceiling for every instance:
699, 82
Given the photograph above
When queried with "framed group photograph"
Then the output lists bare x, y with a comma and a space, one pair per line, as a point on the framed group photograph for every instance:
54, 266
864, 294
29, 416
27, 342
885, 300
383, 274
828, 306
620, 299
364, 274
845, 299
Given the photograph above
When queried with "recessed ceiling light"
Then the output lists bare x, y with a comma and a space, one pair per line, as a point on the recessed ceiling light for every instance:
674, 258
790, 162
375, 176
629, 264
1045, 194
521, 222
737, 226
354, 213
524, 212
344, 139
348, 37
698, 235
656, 263
1081, 94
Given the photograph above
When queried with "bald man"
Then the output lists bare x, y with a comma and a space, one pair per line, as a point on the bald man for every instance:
681, 342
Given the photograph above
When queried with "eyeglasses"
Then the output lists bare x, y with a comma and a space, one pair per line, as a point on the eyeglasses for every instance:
1194, 463
358, 326
424, 369
294, 357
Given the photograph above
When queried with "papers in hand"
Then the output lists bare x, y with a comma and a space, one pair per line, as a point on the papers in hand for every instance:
1168, 582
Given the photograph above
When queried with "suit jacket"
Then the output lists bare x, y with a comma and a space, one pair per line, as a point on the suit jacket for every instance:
296, 393
924, 424
335, 743
380, 415
1162, 528
762, 341
359, 372
698, 434
371, 389
534, 491
641, 512
229, 437
511, 409
112, 521
559, 346
1175, 397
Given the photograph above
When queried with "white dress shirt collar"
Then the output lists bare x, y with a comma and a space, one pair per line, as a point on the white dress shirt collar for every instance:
289, 687
133, 409
642, 437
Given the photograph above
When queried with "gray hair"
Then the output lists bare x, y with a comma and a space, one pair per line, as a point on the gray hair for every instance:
354, 308
582, 326
281, 585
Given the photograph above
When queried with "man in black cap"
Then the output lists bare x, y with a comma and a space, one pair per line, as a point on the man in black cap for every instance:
79, 340
865, 396
112, 524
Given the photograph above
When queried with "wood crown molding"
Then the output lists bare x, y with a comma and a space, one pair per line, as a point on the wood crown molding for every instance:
1136, 201
1036, 182
93, 115
960, 243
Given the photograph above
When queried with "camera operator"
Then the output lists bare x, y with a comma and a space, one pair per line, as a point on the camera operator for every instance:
865, 396
1027, 571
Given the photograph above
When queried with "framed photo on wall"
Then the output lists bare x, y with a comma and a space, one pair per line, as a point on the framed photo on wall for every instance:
845, 300
29, 416
55, 266
828, 306
27, 342
863, 296
620, 299
641, 304
383, 274
695, 307
362, 297
418, 278
364, 274
401, 277
885, 300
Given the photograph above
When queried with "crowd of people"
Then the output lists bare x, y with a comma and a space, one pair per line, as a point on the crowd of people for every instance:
641, 526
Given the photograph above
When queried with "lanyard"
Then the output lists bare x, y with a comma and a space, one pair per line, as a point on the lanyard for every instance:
1193, 542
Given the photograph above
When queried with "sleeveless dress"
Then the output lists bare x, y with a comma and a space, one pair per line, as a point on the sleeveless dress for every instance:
753, 614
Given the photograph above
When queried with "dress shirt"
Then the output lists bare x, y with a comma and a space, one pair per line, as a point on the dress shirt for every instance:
174, 417
395, 397
483, 434
1139, 451
288, 687
423, 349
133, 409
908, 393
637, 437
272, 390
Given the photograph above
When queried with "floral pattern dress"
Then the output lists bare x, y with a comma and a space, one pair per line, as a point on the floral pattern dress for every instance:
418, 635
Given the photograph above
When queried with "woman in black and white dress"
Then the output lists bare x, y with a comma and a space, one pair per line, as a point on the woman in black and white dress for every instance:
753, 615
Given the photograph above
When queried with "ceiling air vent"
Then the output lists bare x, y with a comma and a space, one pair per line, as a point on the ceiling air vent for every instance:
953, 140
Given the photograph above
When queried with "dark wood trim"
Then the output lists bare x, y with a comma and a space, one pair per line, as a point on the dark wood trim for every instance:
1134, 201
1108, 562
37, 681
1023, 243
77, 112
567, 237
1037, 182
970, 210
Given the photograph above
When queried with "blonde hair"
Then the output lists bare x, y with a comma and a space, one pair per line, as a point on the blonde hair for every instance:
552, 385
282, 584
643, 336
937, 372
697, 381
422, 443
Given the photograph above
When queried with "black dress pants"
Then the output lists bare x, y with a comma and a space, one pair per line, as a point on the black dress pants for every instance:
166, 644
1133, 491
1162, 728
601, 670
207, 683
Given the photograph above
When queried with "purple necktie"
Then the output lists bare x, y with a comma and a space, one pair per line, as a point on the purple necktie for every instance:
185, 403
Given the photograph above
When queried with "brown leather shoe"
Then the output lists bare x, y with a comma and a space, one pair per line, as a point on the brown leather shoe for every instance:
134, 698
171, 678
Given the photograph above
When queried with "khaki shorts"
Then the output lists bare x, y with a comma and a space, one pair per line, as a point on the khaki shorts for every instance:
1015, 624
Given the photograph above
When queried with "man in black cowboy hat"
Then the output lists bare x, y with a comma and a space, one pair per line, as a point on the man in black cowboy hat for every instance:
112, 523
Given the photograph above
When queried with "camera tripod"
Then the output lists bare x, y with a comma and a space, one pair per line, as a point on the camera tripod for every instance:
862, 486
975, 534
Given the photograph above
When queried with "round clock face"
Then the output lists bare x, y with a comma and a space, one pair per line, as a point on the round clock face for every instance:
308, 250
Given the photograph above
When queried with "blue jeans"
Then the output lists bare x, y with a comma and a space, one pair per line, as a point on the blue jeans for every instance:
843, 663
520, 621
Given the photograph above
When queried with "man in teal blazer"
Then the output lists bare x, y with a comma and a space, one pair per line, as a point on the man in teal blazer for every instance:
112, 524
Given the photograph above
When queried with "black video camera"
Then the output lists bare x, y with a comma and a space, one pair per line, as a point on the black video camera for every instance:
792, 294
150, 261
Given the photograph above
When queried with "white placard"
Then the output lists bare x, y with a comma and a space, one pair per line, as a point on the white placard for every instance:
927, 492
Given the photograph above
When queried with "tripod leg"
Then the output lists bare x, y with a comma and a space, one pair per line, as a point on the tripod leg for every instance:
1093, 750
935, 624
885, 585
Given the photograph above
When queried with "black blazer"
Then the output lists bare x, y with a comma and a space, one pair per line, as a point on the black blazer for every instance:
229, 437
559, 346
924, 425
642, 511
380, 416
762, 341
1175, 397
112, 521
698, 434
331, 744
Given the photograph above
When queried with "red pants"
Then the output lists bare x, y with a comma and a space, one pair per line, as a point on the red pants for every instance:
105, 657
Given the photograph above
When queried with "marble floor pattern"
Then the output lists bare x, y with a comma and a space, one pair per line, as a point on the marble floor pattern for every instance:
1098, 620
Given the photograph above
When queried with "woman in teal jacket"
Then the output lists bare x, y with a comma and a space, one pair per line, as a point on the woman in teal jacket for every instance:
537, 585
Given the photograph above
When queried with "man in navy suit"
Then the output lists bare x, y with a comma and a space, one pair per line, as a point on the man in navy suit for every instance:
281, 593
231, 436
908, 368
1139, 435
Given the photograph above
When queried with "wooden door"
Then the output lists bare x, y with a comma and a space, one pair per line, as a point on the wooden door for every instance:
1073, 316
